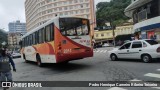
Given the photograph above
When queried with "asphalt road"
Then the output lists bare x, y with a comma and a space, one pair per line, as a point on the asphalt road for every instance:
98, 68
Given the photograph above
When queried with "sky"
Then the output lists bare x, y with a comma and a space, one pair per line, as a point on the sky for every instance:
12, 10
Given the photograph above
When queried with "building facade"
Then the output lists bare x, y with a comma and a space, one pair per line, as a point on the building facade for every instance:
146, 17
13, 40
107, 35
40, 11
17, 27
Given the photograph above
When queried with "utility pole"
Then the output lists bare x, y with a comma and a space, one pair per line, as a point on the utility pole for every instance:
113, 32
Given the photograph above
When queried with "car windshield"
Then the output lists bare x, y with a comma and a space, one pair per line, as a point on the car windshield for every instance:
151, 42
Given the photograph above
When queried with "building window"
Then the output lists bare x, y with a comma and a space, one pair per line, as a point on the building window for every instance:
102, 34
75, 1
96, 35
142, 15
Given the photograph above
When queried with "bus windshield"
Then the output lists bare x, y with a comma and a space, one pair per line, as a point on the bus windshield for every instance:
74, 26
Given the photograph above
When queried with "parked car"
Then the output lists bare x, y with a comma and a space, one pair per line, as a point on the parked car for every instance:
105, 45
97, 45
15, 54
146, 50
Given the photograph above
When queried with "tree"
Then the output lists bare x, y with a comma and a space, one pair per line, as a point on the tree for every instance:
112, 12
3, 37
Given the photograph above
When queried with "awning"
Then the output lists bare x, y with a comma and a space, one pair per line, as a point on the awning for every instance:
138, 3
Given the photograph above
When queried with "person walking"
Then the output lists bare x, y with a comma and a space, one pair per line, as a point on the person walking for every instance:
5, 69
94, 43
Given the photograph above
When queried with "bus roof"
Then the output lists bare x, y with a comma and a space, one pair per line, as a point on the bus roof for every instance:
47, 23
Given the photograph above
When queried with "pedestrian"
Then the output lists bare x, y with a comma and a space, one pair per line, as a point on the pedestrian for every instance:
94, 43
119, 43
5, 69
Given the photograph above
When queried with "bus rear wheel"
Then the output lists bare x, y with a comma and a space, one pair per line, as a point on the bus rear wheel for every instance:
39, 63
24, 57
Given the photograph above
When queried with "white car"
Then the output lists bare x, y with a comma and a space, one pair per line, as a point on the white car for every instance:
105, 45
146, 50
15, 54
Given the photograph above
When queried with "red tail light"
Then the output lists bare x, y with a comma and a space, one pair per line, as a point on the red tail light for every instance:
59, 46
158, 49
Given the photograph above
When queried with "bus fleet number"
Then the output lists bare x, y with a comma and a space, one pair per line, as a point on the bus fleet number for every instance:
67, 50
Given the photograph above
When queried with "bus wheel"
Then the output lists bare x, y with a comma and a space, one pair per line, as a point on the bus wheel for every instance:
64, 63
39, 63
24, 57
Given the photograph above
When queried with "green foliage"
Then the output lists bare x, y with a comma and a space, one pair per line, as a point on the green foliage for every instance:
3, 37
112, 12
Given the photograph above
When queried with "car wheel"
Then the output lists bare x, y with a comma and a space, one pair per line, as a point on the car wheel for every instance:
39, 63
146, 58
113, 57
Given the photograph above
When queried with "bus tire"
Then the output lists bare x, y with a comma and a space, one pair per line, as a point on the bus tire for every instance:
65, 62
24, 57
38, 58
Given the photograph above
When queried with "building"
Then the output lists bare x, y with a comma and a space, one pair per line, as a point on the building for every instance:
40, 11
146, 17
14, 39
3, 37
17, 27
107, 35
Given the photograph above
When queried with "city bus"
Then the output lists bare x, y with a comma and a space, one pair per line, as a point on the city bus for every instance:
59, 40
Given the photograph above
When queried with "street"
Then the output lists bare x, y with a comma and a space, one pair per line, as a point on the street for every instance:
98, 68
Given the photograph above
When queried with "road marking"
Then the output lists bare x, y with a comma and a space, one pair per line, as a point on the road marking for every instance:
135, 80
100, 51
97, 50
153, 75
106, 51
156, 87
117, 88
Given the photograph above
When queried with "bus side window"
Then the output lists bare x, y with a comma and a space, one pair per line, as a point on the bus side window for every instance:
26, 42
36, 37
52, 32
31, 41
39, 36
43, 35
33, 38
47, 29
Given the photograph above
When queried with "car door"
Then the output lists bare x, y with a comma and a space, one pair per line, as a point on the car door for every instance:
136, 50
123, 51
